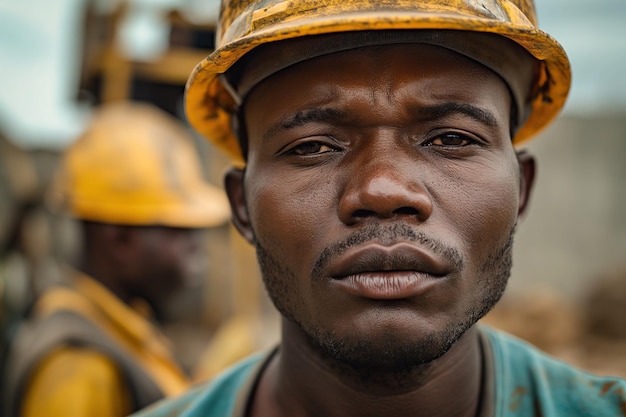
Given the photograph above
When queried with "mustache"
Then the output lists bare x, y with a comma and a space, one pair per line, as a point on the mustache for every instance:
387, 235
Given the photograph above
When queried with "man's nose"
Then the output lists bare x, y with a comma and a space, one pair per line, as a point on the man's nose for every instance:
384, 185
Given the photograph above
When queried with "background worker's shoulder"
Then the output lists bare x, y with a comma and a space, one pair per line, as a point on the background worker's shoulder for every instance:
83, 377
222, 396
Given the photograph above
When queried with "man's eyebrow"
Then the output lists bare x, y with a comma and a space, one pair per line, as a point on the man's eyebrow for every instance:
330, 115
300, 118
445, 109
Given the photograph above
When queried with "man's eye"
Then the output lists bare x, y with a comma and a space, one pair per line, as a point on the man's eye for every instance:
311, 148
450, 140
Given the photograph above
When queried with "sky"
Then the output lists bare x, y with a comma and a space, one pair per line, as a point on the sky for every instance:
38, 63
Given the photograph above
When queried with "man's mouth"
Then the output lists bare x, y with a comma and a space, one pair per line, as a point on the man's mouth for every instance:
395, 272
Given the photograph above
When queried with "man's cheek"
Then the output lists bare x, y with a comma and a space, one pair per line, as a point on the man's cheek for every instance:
287, 228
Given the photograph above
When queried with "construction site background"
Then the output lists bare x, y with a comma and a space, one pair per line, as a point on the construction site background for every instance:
567, 293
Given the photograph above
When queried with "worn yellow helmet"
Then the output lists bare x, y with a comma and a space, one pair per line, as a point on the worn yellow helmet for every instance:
136, 165
247, 24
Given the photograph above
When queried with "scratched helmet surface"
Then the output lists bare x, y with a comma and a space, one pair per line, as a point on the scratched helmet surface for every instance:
247, 24
136, 165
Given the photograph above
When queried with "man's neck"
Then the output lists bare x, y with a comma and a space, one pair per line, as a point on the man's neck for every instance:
297, 383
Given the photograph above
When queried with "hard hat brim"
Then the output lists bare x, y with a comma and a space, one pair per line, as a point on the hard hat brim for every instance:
205, 93
205, 206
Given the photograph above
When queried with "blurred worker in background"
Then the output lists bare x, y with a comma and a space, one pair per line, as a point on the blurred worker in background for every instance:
19, 200
378, 176
91, 347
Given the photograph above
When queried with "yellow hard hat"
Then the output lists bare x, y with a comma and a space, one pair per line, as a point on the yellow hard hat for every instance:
136, 165
247, 24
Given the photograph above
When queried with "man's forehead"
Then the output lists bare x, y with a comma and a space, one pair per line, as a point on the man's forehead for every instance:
424, 82
389, 64
502, 56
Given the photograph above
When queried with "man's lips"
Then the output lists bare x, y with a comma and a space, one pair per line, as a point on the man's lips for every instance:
375, 257
399, 271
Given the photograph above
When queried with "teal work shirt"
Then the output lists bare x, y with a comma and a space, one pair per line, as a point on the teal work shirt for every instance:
520, 381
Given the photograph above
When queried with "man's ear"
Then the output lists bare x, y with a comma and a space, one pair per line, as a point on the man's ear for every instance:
233, 184
527, 180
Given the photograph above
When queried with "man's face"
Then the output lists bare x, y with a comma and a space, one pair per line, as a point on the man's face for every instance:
168, 259
381, 192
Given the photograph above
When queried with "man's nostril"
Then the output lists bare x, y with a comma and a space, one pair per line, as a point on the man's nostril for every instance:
406, 210
363, 213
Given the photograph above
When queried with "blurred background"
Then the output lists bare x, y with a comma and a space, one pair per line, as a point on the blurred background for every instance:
61, 59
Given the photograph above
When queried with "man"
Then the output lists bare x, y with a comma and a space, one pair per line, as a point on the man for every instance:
91, 347
381, 188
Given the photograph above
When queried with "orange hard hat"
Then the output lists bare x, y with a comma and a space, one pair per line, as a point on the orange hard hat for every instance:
136, 165
247, 24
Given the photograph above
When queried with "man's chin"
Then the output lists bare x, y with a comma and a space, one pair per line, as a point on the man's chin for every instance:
382, 366
386, 353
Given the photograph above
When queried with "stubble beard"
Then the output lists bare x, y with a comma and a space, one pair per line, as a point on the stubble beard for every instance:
394, 359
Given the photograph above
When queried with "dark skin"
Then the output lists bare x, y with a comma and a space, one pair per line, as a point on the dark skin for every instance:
382, 192
147, 262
